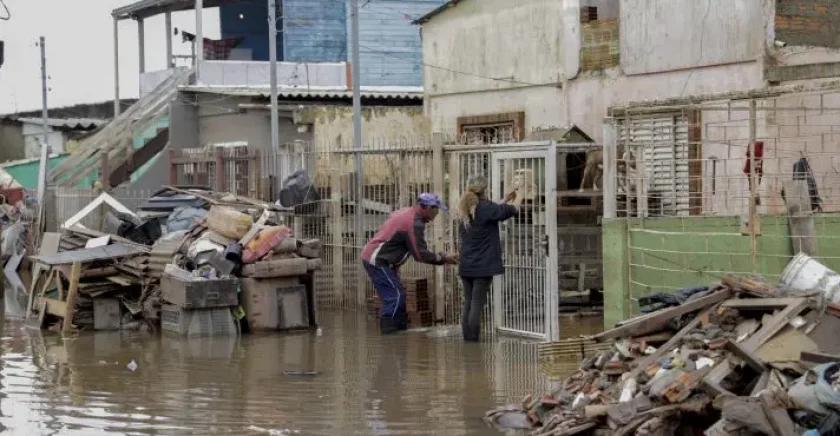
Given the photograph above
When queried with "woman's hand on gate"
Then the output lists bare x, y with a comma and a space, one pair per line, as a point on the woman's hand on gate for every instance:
511, 196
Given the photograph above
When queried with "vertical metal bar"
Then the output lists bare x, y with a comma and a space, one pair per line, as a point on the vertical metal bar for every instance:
437, 182
552, 285
496, 184
272, 55
610, 170
199, 38
357, 132
753, 189
168, 19
116, 67
141, 40
674, 165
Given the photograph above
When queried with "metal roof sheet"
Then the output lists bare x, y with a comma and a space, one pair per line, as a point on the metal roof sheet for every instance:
380, 92
88, 254
148, 8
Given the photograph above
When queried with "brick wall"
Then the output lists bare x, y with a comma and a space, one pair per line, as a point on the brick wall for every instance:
808, 22
599, 45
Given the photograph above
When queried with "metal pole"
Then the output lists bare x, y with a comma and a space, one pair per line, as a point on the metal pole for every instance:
141, 39
610, 170
753, 219
272, 56
168, 18
45, 147
357, 139
116, 67
199, 39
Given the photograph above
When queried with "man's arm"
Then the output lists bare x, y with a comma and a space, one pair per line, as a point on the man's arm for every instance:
419, 248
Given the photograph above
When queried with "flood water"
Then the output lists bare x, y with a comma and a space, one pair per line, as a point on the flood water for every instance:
365, 384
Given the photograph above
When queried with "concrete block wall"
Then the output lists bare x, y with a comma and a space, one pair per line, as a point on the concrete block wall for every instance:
808, 22
666, 254
599, 45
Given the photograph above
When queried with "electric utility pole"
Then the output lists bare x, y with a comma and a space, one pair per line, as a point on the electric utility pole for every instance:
45, 147
357, 134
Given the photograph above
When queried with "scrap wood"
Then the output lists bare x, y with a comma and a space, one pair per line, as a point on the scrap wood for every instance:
71, 296
746, 356
778, 417
751, 285
712, 382
695, 405
671, 344
818, 357
661, 318
103, 198
567, 431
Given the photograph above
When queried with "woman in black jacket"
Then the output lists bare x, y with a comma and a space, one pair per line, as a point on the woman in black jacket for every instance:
481, 249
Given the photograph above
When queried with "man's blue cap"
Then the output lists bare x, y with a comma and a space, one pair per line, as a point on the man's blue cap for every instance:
431, 200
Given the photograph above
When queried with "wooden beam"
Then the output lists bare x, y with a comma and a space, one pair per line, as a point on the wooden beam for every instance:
818, 357
747, 356
660, 319
138, 158
71, 296
796, 305
761, 303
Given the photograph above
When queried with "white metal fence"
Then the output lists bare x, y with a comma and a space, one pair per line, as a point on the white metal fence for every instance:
349, 206
525, 300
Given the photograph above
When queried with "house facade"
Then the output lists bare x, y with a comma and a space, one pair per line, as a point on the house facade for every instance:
513, 68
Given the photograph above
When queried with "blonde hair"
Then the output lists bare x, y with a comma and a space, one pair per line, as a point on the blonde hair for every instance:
475, 190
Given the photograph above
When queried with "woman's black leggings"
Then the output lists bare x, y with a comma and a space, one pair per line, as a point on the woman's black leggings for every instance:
475, 297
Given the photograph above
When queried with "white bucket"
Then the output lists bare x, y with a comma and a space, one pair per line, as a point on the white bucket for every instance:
804, 273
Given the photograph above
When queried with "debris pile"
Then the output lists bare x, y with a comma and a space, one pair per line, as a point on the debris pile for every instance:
190, 261
743, 357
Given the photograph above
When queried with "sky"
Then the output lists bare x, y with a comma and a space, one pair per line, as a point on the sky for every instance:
80, 50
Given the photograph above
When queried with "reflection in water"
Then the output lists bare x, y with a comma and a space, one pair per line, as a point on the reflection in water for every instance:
404, 384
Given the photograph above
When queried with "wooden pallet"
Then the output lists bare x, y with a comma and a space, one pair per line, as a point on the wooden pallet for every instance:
571, 349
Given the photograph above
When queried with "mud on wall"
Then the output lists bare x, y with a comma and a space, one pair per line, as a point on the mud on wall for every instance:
382, 127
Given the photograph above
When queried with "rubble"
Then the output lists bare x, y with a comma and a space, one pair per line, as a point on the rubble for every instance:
183, 263
742, 357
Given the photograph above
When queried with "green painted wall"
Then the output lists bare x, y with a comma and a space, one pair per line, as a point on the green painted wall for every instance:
27, 173
642, 257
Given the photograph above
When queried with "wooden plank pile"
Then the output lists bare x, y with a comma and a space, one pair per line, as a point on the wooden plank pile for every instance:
725, 361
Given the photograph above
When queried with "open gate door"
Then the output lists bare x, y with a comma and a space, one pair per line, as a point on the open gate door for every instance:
526, 298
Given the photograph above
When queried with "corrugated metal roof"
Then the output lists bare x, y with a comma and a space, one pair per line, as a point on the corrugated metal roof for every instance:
63, 123
68, 123
434, 12
380, 92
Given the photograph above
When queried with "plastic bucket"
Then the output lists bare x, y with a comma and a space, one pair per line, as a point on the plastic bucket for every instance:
804, 273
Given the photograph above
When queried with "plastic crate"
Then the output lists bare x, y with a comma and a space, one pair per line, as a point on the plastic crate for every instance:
197, 322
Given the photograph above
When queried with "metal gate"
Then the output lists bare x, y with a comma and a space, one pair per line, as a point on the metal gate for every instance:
526, 298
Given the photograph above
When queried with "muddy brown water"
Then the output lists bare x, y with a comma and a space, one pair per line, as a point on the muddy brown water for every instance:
365, 384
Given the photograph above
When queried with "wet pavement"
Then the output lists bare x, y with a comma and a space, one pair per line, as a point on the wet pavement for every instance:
412, 383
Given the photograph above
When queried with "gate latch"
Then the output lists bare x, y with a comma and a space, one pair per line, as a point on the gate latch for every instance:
544, 244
